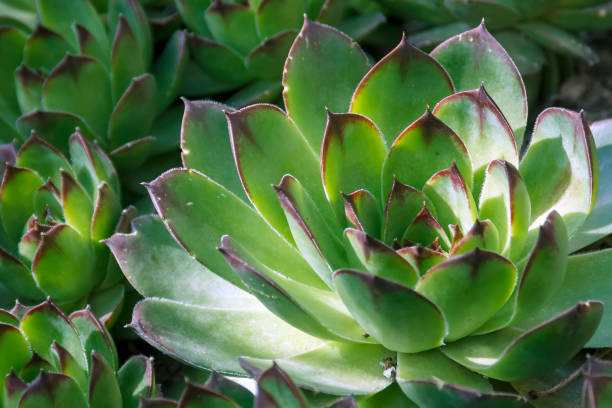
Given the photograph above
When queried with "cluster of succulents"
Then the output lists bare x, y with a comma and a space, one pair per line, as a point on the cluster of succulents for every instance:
539, 35
50, 359
64, 65
407, 240
390, 237
240, 46
54, 212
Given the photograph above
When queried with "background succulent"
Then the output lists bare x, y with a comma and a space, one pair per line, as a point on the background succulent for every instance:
454, 266
54, 212
541, 36
64, 65
241, 45
52, 360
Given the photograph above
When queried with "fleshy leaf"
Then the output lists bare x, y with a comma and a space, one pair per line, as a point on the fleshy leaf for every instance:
232, 389
415, 326
77, 205
505, 201
545, 270
402, 206
475, 57
229, 65
563, 148
598, 224
17, 277
232, 24
52, 390
335, 368
434, 381
547, 345
91, 166
70, 87
42, 157
132, 116
205, 143
94, 336
362, 210
428, 145
14, 352
452, 199
208, 337
200, 396
425, 230
54, 16
322, 70
483, 235
421, 258
67, 365
262, 160
136, 380
45, 324
29, 88
45, 48
352, 156
469, 289
558, 40
266, 61
398, 88
184, 198
276, 383
11, 42
103, 387
314, 237
380, 260
169, 68
64, 246
274, 16
125, 63
53, 126
17, 193
476, 119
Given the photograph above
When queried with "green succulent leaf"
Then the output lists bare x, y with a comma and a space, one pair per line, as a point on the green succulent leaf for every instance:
11, 50
558, 40
451, 197
374, 301
17, 193
362, 210
136, 380
498, 14
52, 390
322, 70
169, 68
14, 353
125, 65
548, 345
198, 396
29, 88
103, 387
13, 389
352, 156
596, 17
268, 58
94, 337
77, 205
274, 16
483, 235
53, 126
192, 16
67, 365
45, 48
484, 277
443, 147
18, 277
64, 246
433, 380
133, 12
54, 16
403, 71
505, 201
597, 224
179, 328
335, 368
41, 156
261, 160
90, 165
563, 148
69, 88
477, 120
277, 384
425, 228
45, 324
380, 260
230, 67
131, 118
232, 389
185, 197
90, 46
233, 24
475, 57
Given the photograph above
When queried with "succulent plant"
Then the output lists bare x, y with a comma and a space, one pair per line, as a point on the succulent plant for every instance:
274, 388
52, 360
54, 213
539, 35
65, 65
432, 253
240, 44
